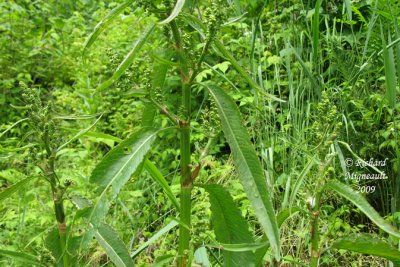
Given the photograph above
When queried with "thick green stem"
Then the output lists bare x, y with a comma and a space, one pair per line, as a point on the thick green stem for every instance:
62, 227
185, 153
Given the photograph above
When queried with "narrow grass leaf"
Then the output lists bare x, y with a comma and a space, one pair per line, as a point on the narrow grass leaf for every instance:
315, 31
156, 236
103, 24
230, 228
175, 12
390, 70
357, 199
21, 257
129, 57
247, 164
367, 244
113, 246
159, 178
348, 9
79, 134
6, 193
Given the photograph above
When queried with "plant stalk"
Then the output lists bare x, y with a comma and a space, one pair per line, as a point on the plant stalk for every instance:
185, 153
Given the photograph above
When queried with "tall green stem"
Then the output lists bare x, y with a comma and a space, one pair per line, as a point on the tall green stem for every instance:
185, 153
315, 232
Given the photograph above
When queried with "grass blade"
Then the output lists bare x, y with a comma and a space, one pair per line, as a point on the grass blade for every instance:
21, 257
357, 199
230, 228
159, 178
175, 12
128, 58
247, 165
390, 70
113, 246
157, 235
79, 134
103, 24
367, 244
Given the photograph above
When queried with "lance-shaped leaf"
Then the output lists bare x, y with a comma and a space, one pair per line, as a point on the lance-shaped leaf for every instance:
21, 257
247, 164
116, 168
357, 199
113, 246
14, 188
175, 12
230, 227
367, 244
129, 57
102, 25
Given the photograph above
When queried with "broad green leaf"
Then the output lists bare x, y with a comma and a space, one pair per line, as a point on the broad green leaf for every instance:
367, 244
357, 199
247, 165
129, 57
13, 188
159, 178
175, 12
164, 260
102, 25
201, 257
113, 246
21, 257
79, 134
157, 235
348, 9
116, 168
229, 226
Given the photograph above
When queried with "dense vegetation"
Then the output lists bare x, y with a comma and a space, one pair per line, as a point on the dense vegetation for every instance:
199, 133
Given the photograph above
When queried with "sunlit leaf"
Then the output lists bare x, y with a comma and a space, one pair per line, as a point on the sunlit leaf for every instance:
113, 246
175, 12
6, 193
247, 165
21, 257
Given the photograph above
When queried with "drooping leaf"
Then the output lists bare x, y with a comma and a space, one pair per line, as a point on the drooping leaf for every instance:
157, 235
367, 244
247, 165
175, 12
357, 199
14, 188
159, 178
113, 246
102, 25
129, 57
229, 226
21, 257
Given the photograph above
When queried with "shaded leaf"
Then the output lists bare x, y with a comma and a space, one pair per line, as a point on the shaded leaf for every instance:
113, 246
157, 235
230, 227
247, 165
201, 257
